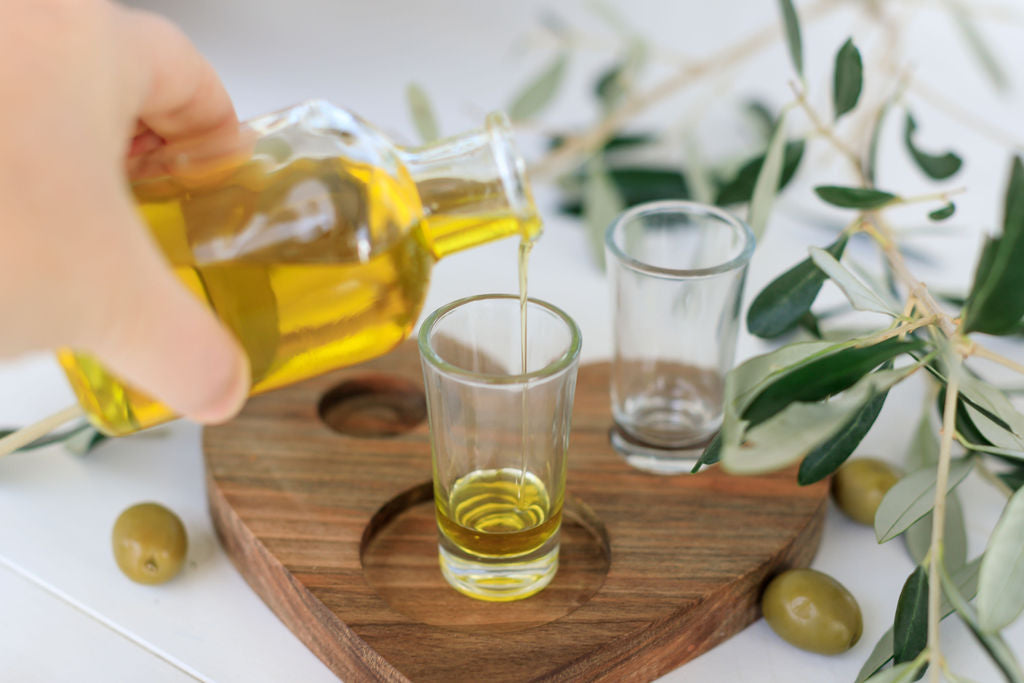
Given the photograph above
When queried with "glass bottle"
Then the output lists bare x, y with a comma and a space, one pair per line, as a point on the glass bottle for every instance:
312, 237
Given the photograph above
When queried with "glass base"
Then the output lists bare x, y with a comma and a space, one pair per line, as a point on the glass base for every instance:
655, 459
498, 580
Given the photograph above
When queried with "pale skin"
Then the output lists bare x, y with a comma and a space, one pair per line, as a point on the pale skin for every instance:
84, 83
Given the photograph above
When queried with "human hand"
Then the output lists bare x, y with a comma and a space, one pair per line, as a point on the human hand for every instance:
79, 79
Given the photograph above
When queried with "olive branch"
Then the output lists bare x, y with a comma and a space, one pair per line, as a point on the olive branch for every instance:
812, 402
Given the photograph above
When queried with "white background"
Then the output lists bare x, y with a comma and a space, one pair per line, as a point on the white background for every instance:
68, 614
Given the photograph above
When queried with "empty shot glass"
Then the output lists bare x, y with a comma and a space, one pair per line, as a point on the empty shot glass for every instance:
499, 436
676, 272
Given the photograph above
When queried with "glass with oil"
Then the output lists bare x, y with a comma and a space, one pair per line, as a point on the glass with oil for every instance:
500, 417
312, 237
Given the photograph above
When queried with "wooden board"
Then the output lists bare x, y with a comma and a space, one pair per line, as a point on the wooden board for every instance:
335, 532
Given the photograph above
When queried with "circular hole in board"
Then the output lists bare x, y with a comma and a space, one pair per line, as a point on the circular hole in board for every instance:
399, 558
373, 406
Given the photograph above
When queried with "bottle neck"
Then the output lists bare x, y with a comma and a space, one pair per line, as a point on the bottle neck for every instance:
473, 189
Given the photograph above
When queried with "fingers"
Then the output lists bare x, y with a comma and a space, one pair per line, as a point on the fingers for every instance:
78, 268
159, 337
155, 334
181, 94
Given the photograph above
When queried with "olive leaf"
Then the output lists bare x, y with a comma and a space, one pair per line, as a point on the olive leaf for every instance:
1001, 581
780, 305
748, 380
871, 160
990, 436
861, 296
768, 178
912, 498
828, 456
1014, 478
924, 452
901, 673
879, 657
847, 79
910, 627
991, 413
615, 142
601, 204
993, 643
762, 116
628, 140
990, 402
972, 436
701, 178
824, 377
979, 46
52, 438
966, 581
540, 91
611, 87
936, 166
854, 197
924, 446
422, 113
84, 441
78, 439
884, 290
943, 213
918, 537
754, 375
995, 304
796, 430
741, 187
791, 24
638, 185
1013, 456
711, 454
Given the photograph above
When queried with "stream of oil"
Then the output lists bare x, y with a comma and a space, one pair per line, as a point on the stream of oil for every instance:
525, 245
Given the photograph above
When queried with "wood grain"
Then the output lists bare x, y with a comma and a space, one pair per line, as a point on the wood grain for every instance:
334, 532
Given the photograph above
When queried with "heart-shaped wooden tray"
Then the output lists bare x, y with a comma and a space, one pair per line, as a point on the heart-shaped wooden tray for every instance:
321, 495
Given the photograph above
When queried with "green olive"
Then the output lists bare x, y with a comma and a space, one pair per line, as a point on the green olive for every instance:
149, 543
859, 486
812, 611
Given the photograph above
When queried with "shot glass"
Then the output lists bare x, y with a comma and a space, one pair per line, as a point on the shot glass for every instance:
676, 272
499, 435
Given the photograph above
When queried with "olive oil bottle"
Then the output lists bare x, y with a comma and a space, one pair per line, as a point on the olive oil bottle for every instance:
312, 237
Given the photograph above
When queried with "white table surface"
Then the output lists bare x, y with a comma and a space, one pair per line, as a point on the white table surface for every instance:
68, 614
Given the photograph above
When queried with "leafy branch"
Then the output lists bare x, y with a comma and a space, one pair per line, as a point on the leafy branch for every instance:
586, 143
79, 439
982, 313
813, 401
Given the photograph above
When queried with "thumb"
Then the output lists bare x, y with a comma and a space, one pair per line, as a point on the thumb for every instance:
156, 335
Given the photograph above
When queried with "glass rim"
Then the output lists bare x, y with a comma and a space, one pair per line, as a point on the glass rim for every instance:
563, 361
680, 206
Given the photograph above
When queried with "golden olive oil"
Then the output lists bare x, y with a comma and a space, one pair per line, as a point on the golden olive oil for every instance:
525, 245
314, 264
499, 513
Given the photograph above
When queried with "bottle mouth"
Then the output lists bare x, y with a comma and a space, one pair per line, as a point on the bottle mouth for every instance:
512, 171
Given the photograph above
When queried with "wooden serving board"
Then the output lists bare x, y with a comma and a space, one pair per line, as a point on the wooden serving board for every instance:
336, 533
